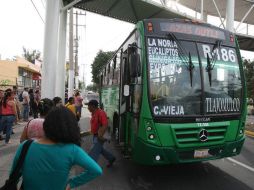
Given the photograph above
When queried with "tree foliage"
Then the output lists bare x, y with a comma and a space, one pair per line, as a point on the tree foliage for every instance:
31, 55
99, 62
249, 77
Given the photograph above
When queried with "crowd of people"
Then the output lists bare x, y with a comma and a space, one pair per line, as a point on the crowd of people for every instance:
19, 106
55, 136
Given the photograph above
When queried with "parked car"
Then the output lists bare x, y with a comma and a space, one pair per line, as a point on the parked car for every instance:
91, 96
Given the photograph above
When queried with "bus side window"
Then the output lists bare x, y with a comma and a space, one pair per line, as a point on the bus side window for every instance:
105, 77
134, 63
137, 87
117, 69
110, 73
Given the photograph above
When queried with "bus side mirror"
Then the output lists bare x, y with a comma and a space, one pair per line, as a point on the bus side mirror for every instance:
126, 90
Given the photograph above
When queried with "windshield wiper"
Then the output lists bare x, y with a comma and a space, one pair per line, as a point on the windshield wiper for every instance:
190, 68
209, 69
211, 63
183, 56
217, 45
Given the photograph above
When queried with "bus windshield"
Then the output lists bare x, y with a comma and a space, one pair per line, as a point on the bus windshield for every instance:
175, 78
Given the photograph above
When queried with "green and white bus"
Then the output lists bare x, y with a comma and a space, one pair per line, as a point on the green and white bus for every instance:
174, 92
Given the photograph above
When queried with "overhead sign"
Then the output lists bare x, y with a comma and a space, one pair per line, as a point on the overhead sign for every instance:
190, 29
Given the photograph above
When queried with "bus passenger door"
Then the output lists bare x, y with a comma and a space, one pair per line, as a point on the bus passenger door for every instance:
124, 100
134, 63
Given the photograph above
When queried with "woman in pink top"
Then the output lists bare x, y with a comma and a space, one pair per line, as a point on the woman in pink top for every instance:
34, 128
9, 114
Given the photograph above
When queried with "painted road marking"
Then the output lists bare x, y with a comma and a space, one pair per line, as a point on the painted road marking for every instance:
241, 164
249, 133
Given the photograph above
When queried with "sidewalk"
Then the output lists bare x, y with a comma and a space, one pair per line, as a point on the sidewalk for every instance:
249, 127
7, 151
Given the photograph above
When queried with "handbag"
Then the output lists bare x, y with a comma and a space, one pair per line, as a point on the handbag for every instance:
11, 183
107, 135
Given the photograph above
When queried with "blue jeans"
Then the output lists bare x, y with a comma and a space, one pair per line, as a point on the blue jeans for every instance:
25, 111
7, 122
98, 149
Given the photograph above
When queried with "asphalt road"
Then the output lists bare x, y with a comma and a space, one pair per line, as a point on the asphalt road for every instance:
235, 173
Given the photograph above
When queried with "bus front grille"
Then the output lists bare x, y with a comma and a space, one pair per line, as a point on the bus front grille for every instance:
185, 136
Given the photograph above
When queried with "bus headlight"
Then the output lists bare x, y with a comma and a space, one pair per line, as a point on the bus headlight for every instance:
149, 128
151, 136
157, 157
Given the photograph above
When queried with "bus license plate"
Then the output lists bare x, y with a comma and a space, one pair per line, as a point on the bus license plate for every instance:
201, 153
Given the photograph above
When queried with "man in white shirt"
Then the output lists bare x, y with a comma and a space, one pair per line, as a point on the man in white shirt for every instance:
25, 104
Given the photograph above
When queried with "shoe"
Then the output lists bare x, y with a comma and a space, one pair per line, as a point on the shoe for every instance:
111, 162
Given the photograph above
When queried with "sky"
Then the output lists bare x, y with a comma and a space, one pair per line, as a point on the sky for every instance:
22, 26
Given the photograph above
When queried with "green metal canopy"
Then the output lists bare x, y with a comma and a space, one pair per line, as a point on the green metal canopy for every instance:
134, 10
128, 10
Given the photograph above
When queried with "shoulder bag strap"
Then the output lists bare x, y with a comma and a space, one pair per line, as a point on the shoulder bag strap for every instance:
15, 174
28, 124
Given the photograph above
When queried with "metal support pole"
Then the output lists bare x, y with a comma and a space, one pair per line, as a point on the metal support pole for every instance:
205, 16
50, 49
202, 10
218, 13
164, 2
71, 65
70, 5
245, 16
230, 12
60, 77
76, 54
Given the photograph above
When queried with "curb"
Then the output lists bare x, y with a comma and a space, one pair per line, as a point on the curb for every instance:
249, 133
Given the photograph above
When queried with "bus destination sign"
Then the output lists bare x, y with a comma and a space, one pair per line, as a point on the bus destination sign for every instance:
192, 30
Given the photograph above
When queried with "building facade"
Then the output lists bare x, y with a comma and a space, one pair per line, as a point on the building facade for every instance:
19, 72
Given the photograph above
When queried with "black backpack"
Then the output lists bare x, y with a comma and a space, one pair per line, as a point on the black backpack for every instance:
21, 97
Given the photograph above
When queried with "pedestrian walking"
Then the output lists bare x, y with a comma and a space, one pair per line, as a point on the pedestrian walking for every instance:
31, 102
71, 106
49, 159
1, 98
35, 103
78, 103
58, 102
25, 104
99, 124
34, 128
16, 98
9, 114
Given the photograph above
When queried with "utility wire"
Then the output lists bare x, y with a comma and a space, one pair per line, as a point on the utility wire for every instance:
37, 11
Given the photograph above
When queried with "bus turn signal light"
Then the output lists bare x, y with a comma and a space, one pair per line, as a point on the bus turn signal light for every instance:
150, 27
231, 38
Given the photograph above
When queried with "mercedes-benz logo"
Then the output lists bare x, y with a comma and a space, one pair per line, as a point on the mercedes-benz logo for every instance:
203, 134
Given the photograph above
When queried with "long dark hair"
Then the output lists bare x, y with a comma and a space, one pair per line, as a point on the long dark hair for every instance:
7, 94
56, 100
45, 106
61, 126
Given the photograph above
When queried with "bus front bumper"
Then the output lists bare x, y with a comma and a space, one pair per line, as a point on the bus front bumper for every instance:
148, 154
